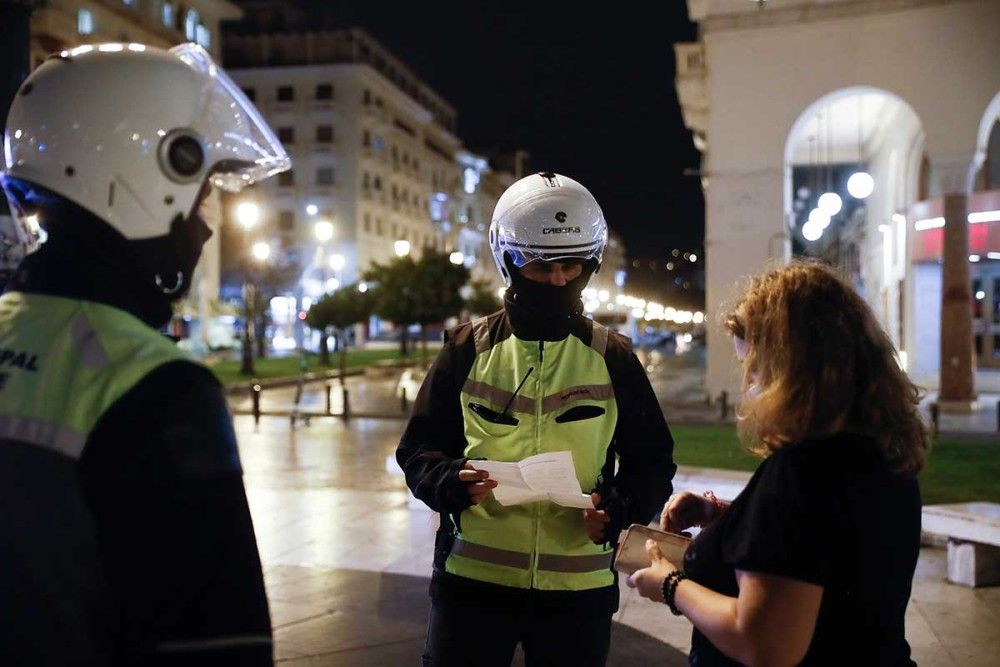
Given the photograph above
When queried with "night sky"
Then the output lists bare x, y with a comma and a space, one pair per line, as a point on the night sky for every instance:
588, 93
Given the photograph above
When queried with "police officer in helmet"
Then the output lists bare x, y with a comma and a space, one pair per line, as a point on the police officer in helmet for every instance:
126, 536
536, 377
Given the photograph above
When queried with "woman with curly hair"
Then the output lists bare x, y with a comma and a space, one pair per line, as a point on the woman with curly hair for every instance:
813, 562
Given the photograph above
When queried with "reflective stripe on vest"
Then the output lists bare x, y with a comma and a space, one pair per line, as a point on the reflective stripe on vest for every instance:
64, 362
540, 544
522, 561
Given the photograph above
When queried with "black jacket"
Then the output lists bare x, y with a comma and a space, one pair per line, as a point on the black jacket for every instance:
431, 451
143, 551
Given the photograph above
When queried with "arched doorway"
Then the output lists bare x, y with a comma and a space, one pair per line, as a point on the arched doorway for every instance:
852, 168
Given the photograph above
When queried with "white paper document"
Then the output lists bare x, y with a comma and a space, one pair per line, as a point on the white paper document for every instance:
549, 476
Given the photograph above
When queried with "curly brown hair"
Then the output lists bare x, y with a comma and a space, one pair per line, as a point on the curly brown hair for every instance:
818, 362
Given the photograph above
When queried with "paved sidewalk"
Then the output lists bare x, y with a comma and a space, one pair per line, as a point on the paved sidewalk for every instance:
347, 557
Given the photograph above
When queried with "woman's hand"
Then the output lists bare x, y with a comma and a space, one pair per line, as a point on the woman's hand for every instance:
649, 580
684, 510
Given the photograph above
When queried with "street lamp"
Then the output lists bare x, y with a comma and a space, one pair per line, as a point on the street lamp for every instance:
401, 247
337, 262
247, 214
456, 257
323, 230
312, 209
260, 251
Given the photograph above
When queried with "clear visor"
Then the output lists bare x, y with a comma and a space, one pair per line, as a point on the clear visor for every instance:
550, 242
241, 146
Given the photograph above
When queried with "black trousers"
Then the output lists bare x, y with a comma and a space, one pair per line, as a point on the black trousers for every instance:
460, 635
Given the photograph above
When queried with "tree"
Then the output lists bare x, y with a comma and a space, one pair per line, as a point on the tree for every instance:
341, 310
395, 297
438, 283
483, 299
418, 292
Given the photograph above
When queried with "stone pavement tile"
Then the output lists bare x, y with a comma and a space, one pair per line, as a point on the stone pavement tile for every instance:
949, 624
344, 630
655, 620
397, 654
925, 648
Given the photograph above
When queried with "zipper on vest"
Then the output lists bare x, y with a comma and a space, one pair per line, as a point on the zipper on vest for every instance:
539, 393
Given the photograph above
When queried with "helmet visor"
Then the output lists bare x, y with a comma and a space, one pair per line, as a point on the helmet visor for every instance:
241, 147
552, 242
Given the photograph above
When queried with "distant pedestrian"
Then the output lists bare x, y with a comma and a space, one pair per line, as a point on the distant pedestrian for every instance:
813, 562
125, 536
537, 376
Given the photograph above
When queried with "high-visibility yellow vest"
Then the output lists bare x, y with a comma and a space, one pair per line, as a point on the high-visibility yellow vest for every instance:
64, 362
566, 403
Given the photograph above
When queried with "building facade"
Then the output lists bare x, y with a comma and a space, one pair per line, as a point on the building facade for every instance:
374, 156
790, 99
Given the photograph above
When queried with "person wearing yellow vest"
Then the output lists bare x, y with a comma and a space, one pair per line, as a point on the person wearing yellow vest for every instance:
125, 536
535, 377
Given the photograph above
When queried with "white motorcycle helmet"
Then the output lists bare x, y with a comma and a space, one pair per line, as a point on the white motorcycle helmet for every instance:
131, 133
546, 216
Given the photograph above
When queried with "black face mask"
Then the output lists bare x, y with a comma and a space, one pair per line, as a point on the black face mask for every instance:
545, 301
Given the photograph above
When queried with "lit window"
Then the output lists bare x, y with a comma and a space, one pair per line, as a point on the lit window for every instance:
203, 36
85, 22
191, 24
168, 14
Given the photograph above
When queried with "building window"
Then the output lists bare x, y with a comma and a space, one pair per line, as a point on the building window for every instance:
85, 22
368, 222
324, 134
378, 183
324, 176
286, 93
250, 93
366, 182
367, 97
191, 24
378, 226
167, 14
324, 91
286, 178
203, 36
366, 139
286, 221
286, 135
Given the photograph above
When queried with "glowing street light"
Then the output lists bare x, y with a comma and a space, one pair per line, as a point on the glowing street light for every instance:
323, 231
247, 214
860, 184
812, 230
830, 203
401, 248
362, 287
456, 257
312, 209
819, 217
337, 262
261, 251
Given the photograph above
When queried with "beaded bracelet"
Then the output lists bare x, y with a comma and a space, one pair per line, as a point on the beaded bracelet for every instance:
670, 588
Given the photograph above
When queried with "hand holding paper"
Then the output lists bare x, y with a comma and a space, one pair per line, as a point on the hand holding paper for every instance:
549, 476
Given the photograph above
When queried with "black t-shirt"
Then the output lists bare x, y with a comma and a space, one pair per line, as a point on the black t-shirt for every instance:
827, 512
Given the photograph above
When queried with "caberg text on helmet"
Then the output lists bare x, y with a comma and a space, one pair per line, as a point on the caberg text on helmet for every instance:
560, 218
